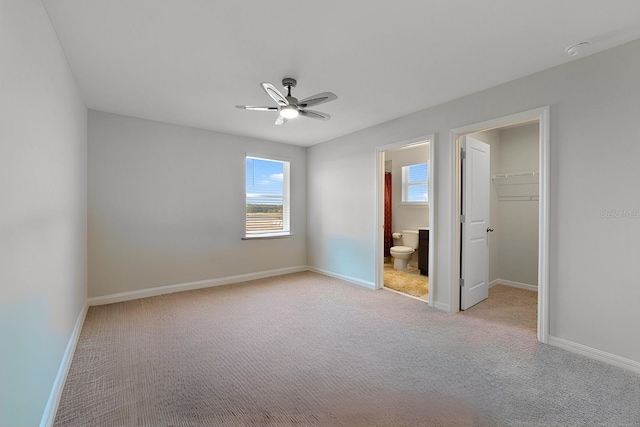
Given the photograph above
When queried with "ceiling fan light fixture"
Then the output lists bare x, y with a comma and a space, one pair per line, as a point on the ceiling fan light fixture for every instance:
289, 111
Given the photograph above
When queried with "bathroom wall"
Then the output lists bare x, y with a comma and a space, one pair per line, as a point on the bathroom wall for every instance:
43, 211
518, 251
166, 205
406, 217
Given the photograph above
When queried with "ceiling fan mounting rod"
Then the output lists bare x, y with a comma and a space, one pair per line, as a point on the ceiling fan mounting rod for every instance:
289, 83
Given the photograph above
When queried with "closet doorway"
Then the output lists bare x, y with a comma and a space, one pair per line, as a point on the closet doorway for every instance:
514, 266
511, 230
405, 206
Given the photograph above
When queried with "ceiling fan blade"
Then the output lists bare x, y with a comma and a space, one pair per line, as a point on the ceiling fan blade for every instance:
314, 114
318, 99
275, 94
249, 107
281, 120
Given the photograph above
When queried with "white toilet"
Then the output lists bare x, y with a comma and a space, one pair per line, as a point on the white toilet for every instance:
402, 254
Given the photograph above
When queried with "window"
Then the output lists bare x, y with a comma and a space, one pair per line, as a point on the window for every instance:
267, 198
415, 184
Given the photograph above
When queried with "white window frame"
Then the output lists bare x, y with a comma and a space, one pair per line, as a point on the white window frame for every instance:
406, 185
286, 201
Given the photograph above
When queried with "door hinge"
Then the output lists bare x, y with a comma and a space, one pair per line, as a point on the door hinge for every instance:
461, 282
463, 154
461, 219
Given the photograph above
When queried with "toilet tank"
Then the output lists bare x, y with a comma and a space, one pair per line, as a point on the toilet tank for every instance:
410, 238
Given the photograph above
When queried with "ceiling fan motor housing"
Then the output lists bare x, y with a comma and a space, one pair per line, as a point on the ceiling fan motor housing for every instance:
289, 82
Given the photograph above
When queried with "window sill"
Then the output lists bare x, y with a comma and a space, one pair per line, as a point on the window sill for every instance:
268, 236
414, 204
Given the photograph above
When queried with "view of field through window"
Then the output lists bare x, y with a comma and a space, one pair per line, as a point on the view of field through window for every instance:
265, 200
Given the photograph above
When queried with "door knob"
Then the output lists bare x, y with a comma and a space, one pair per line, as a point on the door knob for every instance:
489, 230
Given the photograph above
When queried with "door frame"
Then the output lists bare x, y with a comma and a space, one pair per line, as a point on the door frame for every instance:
540, 115
379, 220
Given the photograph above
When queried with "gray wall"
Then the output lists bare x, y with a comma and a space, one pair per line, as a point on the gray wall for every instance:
593, 267
167, 205
341, 205
513, 246
43, 179
518, 253
145, 230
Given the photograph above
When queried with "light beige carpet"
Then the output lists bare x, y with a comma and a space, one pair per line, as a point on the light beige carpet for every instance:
410, 282
508, 306
310, 350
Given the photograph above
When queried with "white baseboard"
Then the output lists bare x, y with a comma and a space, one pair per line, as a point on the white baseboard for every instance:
49, 415
441, 306
51, 409
608, 358
360, 282
370, 285
513, 284
169, 289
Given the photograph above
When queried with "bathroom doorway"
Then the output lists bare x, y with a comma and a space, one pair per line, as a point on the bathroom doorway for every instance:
405, 217
518, 230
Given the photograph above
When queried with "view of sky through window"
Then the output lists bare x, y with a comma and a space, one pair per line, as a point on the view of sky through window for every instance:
417, 183
264, 181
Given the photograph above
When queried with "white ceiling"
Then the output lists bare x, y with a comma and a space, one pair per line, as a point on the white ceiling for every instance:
190, 62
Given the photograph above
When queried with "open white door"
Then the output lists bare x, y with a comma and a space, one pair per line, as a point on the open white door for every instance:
474, 266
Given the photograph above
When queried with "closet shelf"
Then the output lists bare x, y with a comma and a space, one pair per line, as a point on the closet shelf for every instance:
522, 186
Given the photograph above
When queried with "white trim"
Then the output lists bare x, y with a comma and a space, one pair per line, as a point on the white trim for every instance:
379, 220
441, 306
284, 235
366, 284
415, 204
265, 157
513, 284
545, 219
49, 415
169, 289
286, 199
592, 353
407, 143
431, 261
541, 115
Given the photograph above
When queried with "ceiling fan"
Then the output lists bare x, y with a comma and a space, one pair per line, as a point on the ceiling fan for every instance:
289, 107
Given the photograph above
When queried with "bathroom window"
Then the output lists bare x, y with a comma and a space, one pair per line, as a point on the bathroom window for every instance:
267, 198
415, 184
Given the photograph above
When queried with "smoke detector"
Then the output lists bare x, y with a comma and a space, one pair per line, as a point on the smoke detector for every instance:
575, 48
